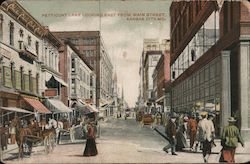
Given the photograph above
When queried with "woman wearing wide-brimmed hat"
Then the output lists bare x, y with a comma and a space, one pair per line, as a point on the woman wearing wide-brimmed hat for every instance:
90, 148
229, 141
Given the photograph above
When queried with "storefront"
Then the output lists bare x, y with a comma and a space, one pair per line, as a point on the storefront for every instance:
58, 109
33, 104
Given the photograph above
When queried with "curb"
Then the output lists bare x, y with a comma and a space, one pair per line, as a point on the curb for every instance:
163, 135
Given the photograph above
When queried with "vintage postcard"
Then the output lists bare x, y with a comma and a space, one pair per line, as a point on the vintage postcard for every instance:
124, 81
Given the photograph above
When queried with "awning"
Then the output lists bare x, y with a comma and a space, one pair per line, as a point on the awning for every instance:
37, 105
105, 103
86, 108
161, 98
56, 106
15, 109
49, 76
60, 81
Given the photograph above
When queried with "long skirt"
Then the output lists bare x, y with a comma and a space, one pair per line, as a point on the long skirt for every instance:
90, 149
181, 141
227, 155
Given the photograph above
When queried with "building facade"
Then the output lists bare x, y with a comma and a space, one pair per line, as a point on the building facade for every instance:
92, 49
210, 59
161, 78
82, 78
21, 40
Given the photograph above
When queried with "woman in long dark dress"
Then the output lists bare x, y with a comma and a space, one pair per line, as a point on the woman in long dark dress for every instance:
90, 149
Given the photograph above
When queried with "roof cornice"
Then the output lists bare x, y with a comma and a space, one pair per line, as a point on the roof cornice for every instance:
19, 14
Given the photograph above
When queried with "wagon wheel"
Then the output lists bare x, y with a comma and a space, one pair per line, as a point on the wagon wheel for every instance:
52, 142
46, 145
26, 149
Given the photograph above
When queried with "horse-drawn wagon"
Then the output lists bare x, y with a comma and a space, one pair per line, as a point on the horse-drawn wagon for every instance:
33, 135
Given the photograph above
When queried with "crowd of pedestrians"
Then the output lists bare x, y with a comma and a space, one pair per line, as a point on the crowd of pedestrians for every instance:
200, 130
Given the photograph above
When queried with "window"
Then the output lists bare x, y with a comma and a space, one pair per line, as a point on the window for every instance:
1, 26
12, 69
37, 83
30, 81
91, 94
73, 65
193, 55
91, 81
21, 32
73, 87
22, 78
20, 44
11, 33
148, 47
29, 40
37, 47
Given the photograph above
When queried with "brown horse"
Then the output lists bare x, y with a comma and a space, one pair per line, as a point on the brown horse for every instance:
20, 134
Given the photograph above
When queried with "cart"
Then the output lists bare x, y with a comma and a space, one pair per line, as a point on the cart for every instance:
45, 137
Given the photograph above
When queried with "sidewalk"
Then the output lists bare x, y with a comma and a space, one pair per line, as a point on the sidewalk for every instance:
242, 154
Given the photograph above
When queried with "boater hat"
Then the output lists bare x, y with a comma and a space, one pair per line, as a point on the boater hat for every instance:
231, 119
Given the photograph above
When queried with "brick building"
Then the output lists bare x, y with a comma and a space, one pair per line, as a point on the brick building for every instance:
91, 48
210, 59
21, 37
161, 79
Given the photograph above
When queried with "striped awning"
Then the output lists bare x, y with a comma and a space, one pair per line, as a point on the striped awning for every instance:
15, 109
37, 105
56, 106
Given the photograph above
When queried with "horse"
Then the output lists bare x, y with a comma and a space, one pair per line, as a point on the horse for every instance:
21, 134
57, 125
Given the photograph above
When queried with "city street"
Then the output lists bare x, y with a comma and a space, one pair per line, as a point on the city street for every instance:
121, 141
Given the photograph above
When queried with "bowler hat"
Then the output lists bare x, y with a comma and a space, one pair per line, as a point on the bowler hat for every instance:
231, 119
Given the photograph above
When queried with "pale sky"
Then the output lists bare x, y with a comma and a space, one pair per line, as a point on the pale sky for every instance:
122, 36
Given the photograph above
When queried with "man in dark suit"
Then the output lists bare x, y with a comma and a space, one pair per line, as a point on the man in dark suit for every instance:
171, 134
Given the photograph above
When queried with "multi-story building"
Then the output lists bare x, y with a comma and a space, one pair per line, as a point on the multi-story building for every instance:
82, 78
210, 59
20, 55
114, 105
161, 78
151, 54
92, 49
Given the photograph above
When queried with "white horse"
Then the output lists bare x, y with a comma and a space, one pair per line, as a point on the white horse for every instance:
58, 125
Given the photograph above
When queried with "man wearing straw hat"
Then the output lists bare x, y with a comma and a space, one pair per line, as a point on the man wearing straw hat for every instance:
205, 135
229, 141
